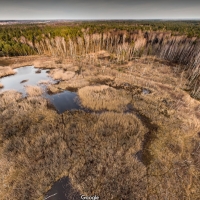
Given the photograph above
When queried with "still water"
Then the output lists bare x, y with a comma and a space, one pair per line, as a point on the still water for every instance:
64, 101
62, 190
28, 76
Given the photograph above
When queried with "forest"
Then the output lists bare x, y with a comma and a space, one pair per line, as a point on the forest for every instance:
12, 45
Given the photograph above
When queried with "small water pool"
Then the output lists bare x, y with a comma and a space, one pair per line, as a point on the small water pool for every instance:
64, 101
146, 91
62, 190
24, 76
32, 76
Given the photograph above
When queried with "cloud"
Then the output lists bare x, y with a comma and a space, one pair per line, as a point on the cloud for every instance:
104, 9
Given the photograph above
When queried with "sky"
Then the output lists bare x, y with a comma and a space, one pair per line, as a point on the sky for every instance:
95, 9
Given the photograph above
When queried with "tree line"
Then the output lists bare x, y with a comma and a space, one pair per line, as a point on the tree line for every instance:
12, 44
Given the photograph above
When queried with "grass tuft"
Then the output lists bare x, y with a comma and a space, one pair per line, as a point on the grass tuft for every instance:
33, 90
6, 71
103, 98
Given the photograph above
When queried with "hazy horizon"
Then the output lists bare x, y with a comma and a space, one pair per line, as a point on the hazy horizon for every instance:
153, 19
99, 10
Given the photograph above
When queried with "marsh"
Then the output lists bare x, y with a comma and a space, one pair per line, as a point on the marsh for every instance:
122, 127
23, 76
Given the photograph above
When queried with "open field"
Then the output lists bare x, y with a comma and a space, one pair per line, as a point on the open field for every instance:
138, 135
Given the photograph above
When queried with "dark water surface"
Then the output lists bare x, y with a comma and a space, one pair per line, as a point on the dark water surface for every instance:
64, 101
62, 190
146, 91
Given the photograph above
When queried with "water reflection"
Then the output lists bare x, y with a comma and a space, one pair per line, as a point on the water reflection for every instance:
28, 76
146, 91
62, 190
17, 81
64, 101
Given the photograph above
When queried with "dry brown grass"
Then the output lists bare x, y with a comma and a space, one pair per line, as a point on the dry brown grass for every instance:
45, 64
151, 152
175, 113
100, 153
53, 63
8, 97
45, 82
19, 61
72, 84
20, 117
6, 71
34, 90
103, 98
59, 74
53, 89
39, 141
116, 140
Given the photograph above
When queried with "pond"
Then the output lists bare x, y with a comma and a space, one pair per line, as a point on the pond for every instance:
32, 76
24, 76
64, 101
62, 190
